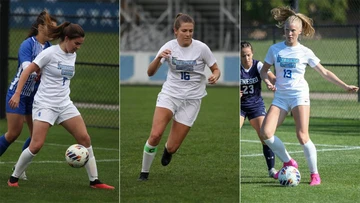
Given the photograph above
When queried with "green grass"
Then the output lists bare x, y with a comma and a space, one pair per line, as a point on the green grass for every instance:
337, 142
51, 179
206, 167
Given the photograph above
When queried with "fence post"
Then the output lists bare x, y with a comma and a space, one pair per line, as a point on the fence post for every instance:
4, 52
357, 27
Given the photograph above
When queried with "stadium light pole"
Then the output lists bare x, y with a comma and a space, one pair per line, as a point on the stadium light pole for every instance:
4, 52
294, 4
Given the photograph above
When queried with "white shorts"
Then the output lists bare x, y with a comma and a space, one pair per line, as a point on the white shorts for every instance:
288, 103
185, 111
54, 114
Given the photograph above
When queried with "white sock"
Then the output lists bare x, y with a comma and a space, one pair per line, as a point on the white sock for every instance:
278, 147
23, 162
148, 157
311, 156
90, 166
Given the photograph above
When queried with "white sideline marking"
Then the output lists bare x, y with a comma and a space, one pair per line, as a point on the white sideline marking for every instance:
62, 145
340, 148
58, 162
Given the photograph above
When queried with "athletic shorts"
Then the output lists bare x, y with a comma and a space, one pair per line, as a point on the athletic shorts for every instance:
54, 114
184, 111
253, 111
289, 102
25, 104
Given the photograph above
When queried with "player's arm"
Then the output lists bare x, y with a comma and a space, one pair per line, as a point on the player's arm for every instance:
158, 60
215, 74
331, 77
264, 76
14, 101
271, 77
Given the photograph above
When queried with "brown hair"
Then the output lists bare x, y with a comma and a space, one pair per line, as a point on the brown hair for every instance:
43, 18
286, 15
182, 18
66, 29
246, 44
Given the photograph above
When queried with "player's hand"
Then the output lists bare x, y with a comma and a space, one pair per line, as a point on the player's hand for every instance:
270, 86
14, 101
241, 93
165, 54
213, 78
351, 88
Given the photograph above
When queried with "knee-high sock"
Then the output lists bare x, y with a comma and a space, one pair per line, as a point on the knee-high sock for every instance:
90, 166
269, 157
148, 157
26, 144
23, 162
311, 156
4, 144
278, 147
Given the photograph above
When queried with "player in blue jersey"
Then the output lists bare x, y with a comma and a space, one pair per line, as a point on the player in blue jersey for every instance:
252, 104
290, 59
36, 41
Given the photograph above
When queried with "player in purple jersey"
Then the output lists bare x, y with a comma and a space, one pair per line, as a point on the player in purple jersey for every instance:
252, 104
36, 41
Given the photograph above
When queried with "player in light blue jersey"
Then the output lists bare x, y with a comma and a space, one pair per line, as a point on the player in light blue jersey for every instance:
290, 59
181, 93
36, 41
252, 104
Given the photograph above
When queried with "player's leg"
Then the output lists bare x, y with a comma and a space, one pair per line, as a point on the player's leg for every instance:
184, 118
161, 118
40, 129
301, 116
15, 125
72, 121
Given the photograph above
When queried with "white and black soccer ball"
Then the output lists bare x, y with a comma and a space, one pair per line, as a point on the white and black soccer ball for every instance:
289, 176
77, 156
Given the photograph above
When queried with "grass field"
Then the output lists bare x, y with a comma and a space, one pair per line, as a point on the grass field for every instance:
206, 167
51, 179
337, 143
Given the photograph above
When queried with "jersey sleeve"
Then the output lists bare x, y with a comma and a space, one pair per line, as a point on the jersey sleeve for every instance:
42, 59
25, 52
208, 56
269, 58
312, 59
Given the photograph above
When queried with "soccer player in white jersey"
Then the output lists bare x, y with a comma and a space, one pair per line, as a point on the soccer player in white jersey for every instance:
291, 89
52, 103
181, 94
36, 41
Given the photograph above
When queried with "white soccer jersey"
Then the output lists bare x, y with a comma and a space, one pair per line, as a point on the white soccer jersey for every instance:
57, 68
186, 75
290, 63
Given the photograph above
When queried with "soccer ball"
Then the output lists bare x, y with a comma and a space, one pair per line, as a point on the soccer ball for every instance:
289, 176
77, 156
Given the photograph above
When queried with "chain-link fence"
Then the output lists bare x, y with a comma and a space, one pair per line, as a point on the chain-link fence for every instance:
95, 86
337, 46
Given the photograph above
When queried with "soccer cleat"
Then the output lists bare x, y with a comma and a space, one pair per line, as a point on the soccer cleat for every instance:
166, 157
315, 179
13, 182
22, 176
143, 176
99, 185
292, 162
272, 172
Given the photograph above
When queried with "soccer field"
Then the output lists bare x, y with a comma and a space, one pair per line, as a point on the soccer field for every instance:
338, 144
205, 168
52, 180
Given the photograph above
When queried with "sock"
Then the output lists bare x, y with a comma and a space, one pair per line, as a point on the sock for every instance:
311, 156
148, 157
23, 162
26, 144
269, 157
4, 144
90, 166
278, 147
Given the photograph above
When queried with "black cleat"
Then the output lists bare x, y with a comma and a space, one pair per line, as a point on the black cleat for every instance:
166, 157
143, 176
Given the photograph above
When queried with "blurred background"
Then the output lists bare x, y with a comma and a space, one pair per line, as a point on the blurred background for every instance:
147, 25
95, 87
336, 43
